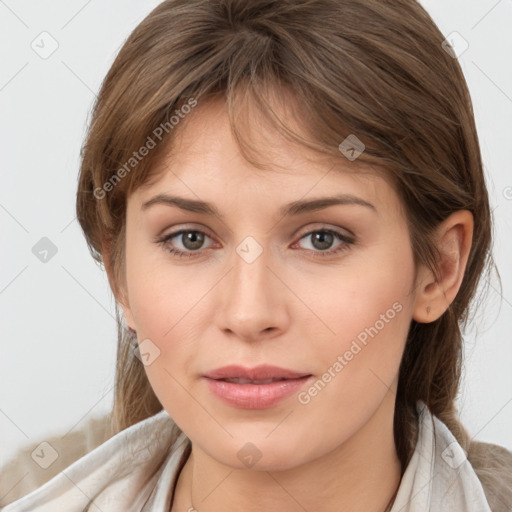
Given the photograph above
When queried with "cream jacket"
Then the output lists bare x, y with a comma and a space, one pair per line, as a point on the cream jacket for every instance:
131, 472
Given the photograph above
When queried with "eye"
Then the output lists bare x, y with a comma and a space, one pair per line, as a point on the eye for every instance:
322, 240
191, 241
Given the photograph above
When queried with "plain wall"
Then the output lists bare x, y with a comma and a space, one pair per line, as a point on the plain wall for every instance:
58, 332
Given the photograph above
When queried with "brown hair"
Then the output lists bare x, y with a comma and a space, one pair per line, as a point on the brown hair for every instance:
373, 68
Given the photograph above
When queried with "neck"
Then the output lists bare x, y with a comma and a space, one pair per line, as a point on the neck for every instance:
361, 474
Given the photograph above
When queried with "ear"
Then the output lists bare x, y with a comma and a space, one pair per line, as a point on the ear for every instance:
118, 289
434, 296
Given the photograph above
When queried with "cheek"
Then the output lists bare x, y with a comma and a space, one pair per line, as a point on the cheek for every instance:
170, 306
369, 308
160, 292
166, 305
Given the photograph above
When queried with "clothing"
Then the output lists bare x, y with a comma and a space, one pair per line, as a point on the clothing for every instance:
132, 472
20, 476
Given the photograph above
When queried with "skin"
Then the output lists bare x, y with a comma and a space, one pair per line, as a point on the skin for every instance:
290, 307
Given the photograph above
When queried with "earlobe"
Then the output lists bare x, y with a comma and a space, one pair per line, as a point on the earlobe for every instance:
434, 296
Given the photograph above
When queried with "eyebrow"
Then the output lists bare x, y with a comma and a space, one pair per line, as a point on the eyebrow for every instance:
293, 208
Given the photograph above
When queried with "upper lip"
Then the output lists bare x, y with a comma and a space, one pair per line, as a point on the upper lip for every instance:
261, 372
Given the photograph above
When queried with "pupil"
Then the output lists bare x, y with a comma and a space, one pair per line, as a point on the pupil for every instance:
193, 240
324, 238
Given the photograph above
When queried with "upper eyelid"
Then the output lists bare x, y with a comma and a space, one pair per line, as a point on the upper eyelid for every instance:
180, 231
313, 226
319, 226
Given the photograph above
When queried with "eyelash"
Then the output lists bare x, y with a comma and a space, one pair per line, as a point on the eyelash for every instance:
190, 254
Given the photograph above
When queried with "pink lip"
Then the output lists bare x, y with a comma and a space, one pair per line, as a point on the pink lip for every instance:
255, 396
261, 372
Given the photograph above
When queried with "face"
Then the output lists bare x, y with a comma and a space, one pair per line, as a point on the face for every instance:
323, 292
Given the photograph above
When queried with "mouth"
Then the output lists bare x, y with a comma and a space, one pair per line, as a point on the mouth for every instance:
258, 374
240, 380
256, 389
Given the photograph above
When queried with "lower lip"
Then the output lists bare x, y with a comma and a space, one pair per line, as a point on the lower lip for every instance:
255, 396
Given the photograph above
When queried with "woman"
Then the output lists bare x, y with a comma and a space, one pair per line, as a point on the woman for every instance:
289, 202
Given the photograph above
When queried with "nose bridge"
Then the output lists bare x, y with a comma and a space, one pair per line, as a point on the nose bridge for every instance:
250, 272
253, 301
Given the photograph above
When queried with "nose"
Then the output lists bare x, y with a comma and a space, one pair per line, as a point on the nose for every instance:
253, 302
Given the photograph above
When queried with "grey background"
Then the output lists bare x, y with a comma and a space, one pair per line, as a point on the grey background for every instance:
57, 329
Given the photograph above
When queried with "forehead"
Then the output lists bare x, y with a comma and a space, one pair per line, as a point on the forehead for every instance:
204, 161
